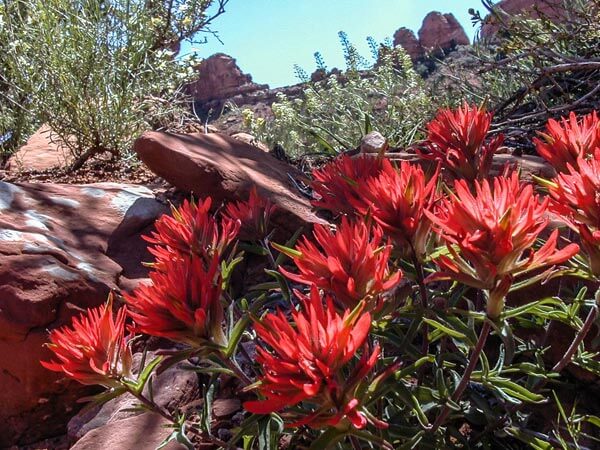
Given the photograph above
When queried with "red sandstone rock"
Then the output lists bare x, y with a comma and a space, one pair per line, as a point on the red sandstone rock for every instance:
145, 431
172, 389
55, 242
406, 39
225, 169
39, 153
441, 31
219, 78
553, 9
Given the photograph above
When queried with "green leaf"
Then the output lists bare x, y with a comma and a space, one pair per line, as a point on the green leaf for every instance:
285, 290
523, 436
288, 245
327, 439
209, 395
515, 390
443, 328
145, 374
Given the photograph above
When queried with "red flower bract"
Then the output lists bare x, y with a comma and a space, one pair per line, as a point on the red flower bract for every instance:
457, 140
397, 199
576, 201
93, 350
490, 236
191, 229
311, 362
351, 262
183, 302
566, 141
253, 215
341, 179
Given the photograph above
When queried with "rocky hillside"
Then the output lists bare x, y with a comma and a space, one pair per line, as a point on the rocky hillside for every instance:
222, 81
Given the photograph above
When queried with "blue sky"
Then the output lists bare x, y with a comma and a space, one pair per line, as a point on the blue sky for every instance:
267, 37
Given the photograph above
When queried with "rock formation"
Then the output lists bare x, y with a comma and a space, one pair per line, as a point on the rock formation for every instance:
439, 33
225, 168
62, 249
406, 39
552, 9
220, 78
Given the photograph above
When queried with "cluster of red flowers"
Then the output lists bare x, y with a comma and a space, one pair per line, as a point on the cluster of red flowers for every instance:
490, 236
94, 349
182, 303
350, 263
311, 361
489, 229
457, 139
566, 141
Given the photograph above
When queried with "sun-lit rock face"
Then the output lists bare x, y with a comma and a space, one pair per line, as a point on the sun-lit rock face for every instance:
62, 249
442, 31
219, 77
439, 33
552, 9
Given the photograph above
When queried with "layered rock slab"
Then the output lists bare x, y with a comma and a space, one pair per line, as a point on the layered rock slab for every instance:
225, 169
59, 254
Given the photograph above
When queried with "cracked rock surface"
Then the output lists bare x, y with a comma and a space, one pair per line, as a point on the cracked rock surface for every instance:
63, 248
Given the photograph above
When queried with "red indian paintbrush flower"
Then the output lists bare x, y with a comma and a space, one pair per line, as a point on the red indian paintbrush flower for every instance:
341, 179
397, 199
491, 234
191, 229
577, 202
572, 138
93, 350
351, 263
254, 215
457, 140
311, 362
182, 303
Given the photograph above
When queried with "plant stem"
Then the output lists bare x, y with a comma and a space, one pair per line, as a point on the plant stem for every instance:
566, 359
424, 305
483, 335
152, 405
246, 381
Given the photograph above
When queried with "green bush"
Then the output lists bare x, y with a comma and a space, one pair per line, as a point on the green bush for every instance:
98, 72
333, 114
533, 69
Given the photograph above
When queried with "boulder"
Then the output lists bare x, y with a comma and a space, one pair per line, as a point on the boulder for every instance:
225, 169
373, 142
441, 32
219, 77
56, 243
172, 389
406, 39
38, 153
145, 431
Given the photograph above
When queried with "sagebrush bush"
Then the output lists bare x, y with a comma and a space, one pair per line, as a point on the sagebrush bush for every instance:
97, 72
333, 114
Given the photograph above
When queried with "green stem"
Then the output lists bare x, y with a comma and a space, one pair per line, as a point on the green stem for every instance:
483, 335
587, 325
239, 373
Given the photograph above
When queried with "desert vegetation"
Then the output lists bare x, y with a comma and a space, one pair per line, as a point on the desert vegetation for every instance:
441, 293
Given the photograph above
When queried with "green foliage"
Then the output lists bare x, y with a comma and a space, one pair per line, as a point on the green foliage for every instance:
535, 68
98, 72
333, 114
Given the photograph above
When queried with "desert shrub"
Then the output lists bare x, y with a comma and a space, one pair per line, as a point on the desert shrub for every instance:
98, 72
333, 114
536, 68
430, 314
